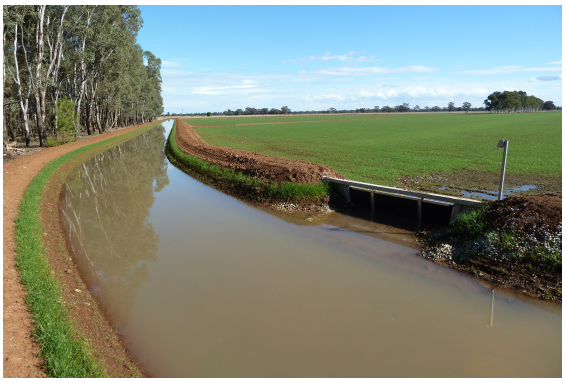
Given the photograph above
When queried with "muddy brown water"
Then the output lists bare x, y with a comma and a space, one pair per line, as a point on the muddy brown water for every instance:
200, 284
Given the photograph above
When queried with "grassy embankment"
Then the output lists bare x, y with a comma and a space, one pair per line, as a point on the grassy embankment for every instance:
65, 352
380, 150
241, 185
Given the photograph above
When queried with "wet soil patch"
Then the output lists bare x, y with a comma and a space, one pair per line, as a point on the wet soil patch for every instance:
473, 180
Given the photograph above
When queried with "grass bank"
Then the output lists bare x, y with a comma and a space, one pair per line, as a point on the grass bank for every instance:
383, 148
66, 353
244, 186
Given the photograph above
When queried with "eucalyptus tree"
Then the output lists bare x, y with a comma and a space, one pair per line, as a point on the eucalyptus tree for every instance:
44, 65
15, 17
87, 53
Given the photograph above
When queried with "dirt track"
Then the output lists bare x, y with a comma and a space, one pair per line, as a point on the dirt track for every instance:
19, 350
269, 168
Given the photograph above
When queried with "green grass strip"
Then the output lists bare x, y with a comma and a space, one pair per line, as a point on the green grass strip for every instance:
242, 185
66, 355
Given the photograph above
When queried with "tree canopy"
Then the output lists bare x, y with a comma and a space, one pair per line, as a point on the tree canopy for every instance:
85, 53
510, 102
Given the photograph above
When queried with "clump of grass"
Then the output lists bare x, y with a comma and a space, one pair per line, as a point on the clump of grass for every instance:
65, 352
51, 142
242, 185
469, 225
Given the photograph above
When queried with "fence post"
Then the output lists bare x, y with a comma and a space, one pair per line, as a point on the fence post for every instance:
503, 144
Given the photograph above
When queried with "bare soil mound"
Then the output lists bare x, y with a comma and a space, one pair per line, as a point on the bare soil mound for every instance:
514, 261
527, 215
269, 168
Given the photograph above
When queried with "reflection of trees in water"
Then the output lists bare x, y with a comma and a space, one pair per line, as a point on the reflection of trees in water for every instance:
105, 209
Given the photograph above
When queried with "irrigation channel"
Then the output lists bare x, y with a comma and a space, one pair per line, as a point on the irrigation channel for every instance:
200, 284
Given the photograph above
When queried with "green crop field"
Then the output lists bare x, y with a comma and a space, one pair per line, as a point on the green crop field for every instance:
380, 148
259, 119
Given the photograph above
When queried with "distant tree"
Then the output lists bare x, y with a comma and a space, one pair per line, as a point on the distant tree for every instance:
417, 108
208, 114
376, 108
466, 106
451, 107
239, 112
436, 108
548, 105
387, 109
331, 110
427, 108
512, 101
285, 110
274, 111
250, 110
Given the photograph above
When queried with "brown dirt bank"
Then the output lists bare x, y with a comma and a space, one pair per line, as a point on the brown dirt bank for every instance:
269, 168
20, 350
535, 219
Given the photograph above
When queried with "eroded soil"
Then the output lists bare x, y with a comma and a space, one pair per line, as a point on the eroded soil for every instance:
272, 169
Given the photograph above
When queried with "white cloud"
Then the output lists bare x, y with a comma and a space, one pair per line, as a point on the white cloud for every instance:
169, 64
347, 57
245, 88
510, 69
418, 95
328, 97
341, 71
546, 78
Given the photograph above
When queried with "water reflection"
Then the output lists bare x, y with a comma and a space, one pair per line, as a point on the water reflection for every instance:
107, 229
207, 286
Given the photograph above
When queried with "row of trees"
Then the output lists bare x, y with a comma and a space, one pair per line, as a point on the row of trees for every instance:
72, 68
253, 111
402, 108
515, 101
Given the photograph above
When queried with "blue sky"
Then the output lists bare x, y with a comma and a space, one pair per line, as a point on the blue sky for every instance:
348, 57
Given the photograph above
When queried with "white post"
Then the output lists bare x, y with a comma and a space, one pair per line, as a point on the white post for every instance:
492, 299
505, 145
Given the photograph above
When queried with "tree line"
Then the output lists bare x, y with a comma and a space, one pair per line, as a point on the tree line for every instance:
75, 68
497, 102
516, 101
401, 108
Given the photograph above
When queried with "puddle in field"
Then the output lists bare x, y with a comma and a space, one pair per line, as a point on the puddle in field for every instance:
491, 194
204, 285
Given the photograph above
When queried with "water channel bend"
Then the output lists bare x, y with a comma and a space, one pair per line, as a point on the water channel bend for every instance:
204, 285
